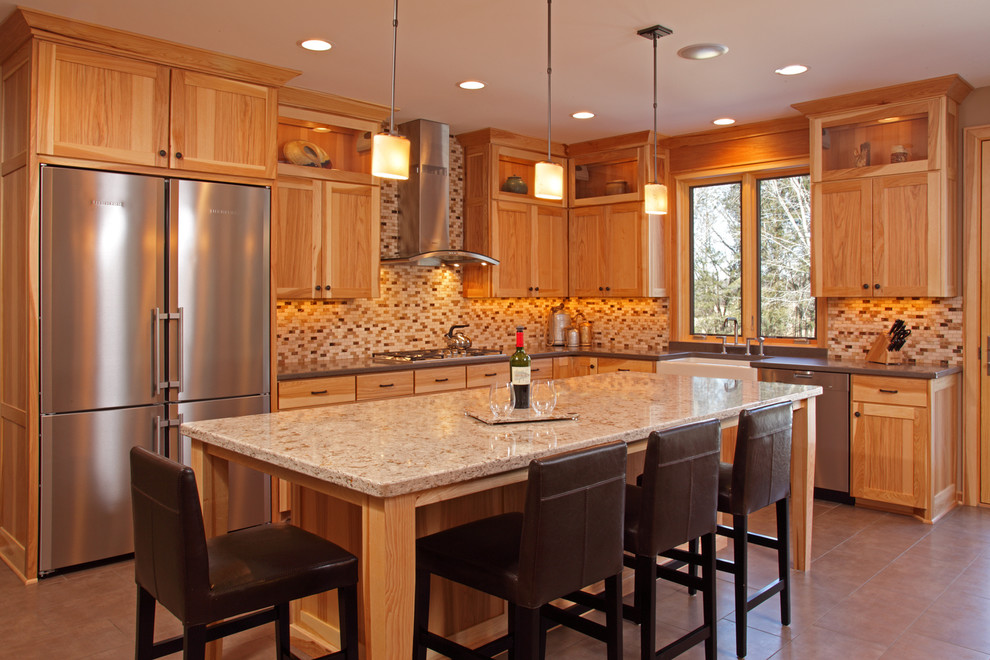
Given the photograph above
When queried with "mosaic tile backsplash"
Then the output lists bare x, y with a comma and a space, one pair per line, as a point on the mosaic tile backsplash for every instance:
418, 304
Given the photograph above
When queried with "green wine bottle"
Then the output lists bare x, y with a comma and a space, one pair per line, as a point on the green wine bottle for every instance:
519, 371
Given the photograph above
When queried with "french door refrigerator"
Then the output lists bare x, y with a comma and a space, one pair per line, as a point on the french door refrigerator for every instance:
154, 311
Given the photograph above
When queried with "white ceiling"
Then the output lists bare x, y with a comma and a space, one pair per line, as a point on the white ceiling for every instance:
599, 63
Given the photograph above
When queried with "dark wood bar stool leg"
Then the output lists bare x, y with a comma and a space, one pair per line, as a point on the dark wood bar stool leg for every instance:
740, 560
784, 558
144, 640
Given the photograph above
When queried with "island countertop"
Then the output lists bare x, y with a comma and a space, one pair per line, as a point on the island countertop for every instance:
397, 446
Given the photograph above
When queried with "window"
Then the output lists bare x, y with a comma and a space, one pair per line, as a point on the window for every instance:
750, 256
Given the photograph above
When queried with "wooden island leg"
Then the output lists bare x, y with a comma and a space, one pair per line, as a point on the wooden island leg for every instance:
211, 480
388, 576
802, 481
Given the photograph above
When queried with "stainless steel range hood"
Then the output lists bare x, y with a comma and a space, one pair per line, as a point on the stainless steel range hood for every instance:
424, 200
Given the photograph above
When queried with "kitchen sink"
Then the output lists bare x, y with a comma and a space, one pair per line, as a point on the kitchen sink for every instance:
715, 366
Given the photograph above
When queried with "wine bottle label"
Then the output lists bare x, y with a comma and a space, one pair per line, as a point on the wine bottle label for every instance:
520, 375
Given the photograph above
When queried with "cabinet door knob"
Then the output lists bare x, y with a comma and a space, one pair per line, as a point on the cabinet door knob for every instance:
318, 287
178, 155
537, 289
608, 288
876, 286
530, 288
866, 286
601, 288
856, 414
162, 153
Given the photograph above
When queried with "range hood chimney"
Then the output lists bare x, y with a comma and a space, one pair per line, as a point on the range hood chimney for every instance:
424, 200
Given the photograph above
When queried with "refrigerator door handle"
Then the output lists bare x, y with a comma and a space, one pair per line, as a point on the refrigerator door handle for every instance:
156, 318
164, 425
156, 435
178, 382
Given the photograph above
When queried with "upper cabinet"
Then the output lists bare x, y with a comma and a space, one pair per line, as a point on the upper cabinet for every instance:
503, 219
104, 107
884, 190
616, 250
327, 208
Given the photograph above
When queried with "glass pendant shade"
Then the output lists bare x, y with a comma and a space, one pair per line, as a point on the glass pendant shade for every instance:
656, 198
390, 156
549, 182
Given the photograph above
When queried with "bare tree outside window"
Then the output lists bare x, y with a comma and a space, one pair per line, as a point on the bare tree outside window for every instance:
787, 308
716, 230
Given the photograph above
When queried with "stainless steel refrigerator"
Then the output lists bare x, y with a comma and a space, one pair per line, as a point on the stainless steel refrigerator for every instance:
154, 311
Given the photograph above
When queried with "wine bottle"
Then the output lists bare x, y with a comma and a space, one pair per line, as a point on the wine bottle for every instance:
519, 371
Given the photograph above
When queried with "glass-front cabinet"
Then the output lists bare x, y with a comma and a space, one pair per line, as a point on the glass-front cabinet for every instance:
890, 139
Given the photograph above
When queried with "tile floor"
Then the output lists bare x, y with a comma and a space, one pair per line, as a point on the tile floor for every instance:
882, 586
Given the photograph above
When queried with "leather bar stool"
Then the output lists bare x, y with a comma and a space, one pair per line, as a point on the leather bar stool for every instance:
223, 585
673, 503
569, 536
759, 476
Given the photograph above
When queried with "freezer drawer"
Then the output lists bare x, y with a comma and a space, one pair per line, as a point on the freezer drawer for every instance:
832, 423
249, 490
86, 483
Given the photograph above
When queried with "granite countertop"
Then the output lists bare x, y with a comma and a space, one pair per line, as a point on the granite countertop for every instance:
324, 367
319, 368
396, 446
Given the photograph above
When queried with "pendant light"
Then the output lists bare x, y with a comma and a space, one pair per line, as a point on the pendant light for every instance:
390, 151
655, 194
549, 178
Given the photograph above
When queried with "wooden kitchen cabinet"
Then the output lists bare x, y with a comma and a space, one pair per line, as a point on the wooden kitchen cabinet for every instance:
884, 190
309, 392
527, 235
484, 375
616, 251
105, 107
385, 385
575, 365
326, 239
439, 379
905, 443
612, 365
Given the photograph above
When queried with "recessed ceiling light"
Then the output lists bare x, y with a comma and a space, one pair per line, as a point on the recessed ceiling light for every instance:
584, 114
724, 121
471, 84
316, 44
702, 51
791, 69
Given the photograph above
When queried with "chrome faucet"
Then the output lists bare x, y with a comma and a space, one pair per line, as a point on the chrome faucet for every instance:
735, 329
749, 342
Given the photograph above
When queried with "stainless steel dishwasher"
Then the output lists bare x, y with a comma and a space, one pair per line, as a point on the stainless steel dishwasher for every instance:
832, 428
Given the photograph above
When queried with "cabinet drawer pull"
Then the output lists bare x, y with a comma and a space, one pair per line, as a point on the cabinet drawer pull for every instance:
496, 373
386, 385
314, 393
531, 370
803, 374
440, 380
888, 391
623, 370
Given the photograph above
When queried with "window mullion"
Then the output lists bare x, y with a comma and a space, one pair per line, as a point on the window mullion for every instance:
750, 257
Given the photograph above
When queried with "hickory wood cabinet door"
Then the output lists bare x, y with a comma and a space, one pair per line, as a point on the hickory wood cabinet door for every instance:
606, 251
109, 108
102, 107
222, 125
531, 246
879, 236
326, 239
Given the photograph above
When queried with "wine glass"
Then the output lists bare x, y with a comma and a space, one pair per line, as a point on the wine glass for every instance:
543, 397
501, 399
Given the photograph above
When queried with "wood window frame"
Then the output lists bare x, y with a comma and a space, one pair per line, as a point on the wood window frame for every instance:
681, 292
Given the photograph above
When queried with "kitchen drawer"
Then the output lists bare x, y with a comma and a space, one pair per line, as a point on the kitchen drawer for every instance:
611, 365
483, 375
893, 391
440, 379
384, 385
541, 368
315, 392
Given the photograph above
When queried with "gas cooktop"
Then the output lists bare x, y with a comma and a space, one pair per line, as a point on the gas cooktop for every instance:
420, 355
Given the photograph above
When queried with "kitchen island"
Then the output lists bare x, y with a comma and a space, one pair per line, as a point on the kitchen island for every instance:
393, 459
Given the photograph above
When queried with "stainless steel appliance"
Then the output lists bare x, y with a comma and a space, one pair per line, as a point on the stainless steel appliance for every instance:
421, 354
557, 326
831, 430
154, 311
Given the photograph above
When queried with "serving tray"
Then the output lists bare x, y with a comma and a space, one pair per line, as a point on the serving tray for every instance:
525, 416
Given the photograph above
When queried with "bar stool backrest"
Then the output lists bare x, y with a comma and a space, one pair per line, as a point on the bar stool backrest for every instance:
170, 556
761, 472
680, 486
572, 526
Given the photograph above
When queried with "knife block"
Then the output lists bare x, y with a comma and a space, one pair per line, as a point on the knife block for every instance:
879, 353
